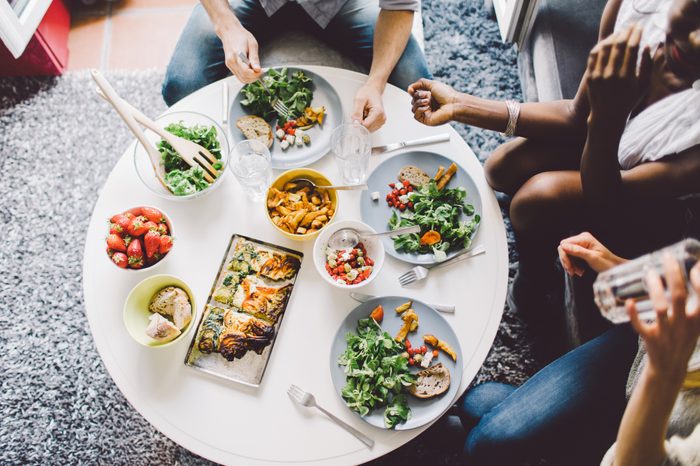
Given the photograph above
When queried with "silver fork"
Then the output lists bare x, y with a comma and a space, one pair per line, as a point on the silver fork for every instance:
418, 272
307, 399
277, 104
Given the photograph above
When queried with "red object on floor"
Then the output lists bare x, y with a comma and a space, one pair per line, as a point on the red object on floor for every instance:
47, 50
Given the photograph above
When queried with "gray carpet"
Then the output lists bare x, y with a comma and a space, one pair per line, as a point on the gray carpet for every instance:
57, 145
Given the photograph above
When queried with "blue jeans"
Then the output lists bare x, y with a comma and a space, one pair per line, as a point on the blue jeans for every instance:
198, 59
568, 412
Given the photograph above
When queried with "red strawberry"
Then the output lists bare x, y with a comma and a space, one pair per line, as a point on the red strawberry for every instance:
154, 215
115, 228
166, 243
152, 242
137, 226
135, 254
151, 225
120, 259
129, 215
116, 242
121, 220
162, 228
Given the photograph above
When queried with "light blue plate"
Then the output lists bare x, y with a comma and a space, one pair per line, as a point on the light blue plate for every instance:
377, 213
429, 321
295, 157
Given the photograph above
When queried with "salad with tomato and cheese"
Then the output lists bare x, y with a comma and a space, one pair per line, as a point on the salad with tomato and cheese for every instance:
349, 266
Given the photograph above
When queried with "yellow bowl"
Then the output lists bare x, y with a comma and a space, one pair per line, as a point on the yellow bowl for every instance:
315, 176
136, 313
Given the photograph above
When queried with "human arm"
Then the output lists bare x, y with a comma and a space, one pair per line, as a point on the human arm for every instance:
391, 33
585, 248
561, 120
670, 341
235, 39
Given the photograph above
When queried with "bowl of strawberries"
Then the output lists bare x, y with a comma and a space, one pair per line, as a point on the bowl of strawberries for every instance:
139, 238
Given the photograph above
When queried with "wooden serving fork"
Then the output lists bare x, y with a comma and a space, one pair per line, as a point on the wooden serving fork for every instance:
192, 153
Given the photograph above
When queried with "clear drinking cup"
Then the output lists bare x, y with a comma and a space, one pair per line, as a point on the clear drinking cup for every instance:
628, 281
351, 145
251, 164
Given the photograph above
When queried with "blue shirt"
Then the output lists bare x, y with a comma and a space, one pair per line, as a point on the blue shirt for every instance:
323, 11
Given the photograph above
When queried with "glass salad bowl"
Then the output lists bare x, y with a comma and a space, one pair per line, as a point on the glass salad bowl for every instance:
183, 180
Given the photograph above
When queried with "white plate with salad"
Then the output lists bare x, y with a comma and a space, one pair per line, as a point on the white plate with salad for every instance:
306, 136
371, 371
445, 203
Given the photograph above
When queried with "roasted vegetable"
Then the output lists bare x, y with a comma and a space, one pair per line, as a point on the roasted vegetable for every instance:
429, 238
410, 324
404, 307
377, 314
434, 341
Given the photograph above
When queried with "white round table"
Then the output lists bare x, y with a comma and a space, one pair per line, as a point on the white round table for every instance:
235, 424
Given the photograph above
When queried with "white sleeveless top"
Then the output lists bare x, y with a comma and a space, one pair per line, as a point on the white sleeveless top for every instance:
670, 125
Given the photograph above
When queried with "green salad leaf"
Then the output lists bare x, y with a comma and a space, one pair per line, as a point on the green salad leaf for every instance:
180, 178
439, 211
294, 91
376, 373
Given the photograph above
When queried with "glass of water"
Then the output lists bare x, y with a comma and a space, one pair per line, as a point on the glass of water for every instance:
251, 164
351, 145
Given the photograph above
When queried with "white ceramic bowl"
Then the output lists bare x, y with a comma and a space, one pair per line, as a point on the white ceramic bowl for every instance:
150, 268
144, 169
374, 247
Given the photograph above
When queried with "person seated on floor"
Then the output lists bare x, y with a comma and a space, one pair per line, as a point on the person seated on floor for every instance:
614, 160
376, 33
569, 411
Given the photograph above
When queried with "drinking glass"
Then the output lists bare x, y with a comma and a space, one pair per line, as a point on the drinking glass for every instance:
628, 281
252, 166
351, 145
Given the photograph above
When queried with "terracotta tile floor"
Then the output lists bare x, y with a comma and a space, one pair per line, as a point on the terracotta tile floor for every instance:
128, 34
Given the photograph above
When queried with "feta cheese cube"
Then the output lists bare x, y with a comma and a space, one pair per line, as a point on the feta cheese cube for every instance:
284, 144
375, 196
290, 139
280, 134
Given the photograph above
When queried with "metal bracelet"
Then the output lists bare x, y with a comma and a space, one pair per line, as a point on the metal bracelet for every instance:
513, 114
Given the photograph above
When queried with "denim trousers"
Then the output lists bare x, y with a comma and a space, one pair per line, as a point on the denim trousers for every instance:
568, 413
198, 59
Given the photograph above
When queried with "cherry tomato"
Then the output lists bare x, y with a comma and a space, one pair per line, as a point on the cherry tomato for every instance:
402, 206
410, 205
408, 343
391, 185
406, 184
402, 192
411, 361
435, 353
423, 349
409, 189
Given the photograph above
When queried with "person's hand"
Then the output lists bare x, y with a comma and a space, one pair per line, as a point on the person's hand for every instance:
433, 102
585, 248
368, 107
671, 339
614, 84
236, 40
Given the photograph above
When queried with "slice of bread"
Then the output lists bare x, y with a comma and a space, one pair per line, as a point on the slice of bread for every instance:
413, 175
431, 382
254, 127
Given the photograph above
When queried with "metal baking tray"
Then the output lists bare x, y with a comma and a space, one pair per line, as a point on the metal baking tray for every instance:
245, 317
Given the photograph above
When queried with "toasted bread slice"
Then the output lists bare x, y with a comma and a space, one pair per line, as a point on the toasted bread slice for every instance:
254, 127
414, 175
431, 382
